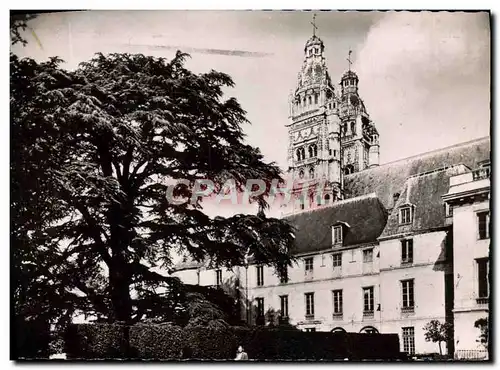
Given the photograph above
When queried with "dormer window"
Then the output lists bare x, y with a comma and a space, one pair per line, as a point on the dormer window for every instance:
337, 234
405, 215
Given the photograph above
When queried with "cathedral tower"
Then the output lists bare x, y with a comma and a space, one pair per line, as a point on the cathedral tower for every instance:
360, 145
314, 151
330, 134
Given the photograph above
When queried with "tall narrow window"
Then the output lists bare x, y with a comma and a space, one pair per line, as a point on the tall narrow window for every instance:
337, 260
309, 99
309, 304
260, 275
311, 173
315, 98
283, 274
218, 277
260, 309
409, 340
482, 277
337, 234
368, 300
308, 262
483, 224
284, 305
368, 255
337, 302
407, 251
408, 294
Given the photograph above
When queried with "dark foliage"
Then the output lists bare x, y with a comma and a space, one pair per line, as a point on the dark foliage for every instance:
171, 342
30, 339
93, 151
157, 341
96, 341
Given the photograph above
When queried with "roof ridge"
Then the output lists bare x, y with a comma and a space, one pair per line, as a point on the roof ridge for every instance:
425, 154
338, 202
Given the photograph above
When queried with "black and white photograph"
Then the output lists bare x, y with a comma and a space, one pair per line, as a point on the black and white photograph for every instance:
250, 185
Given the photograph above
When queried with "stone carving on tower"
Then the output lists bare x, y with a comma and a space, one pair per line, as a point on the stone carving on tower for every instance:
314, 130
359, 136
330, 134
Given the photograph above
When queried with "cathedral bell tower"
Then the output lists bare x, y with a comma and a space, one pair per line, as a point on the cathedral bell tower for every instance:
314, 150
360, 145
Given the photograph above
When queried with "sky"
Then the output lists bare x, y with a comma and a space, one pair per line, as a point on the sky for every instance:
424, 77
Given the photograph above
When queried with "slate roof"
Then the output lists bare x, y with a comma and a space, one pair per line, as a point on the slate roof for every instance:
390, 178
365, 216
420, 180
423, 193
187, 263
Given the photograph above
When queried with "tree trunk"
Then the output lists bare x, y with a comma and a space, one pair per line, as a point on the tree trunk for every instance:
440, 351
121, 301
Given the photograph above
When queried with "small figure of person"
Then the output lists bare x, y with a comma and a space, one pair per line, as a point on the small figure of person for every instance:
241, 355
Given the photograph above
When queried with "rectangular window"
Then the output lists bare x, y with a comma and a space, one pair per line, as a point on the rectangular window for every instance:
368, 255
309, 304
408, 293
260, 307
482, 277
407, 251
337, 234
218, 277
260, 275
409, 340
405, 215
337, 260
448, 210
308, 264
284, 305
283, 274
483, 223
337, 301
368, 299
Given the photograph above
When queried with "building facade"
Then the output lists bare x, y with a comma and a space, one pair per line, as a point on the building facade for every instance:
378, 248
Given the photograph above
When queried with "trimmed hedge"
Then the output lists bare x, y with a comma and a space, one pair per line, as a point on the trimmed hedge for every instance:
97, 341
168, 342
157, 341
29, 339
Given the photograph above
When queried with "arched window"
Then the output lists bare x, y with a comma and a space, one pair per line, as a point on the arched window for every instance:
310, 99
315, 98
301, 174
301, 154
338, 330
369, 330
348, 169
311, 173
313, 151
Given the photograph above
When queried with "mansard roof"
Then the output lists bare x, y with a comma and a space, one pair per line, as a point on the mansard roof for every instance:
423, 193
390, 178
365, 217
